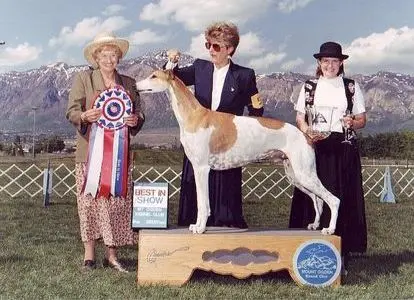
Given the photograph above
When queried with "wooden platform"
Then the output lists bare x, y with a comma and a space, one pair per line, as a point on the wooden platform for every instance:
170, 256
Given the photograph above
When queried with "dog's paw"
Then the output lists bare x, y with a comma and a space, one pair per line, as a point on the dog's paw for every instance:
194, 228
327, 231
313, 226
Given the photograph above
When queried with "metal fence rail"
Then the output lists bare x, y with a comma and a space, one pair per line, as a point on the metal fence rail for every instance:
18, 180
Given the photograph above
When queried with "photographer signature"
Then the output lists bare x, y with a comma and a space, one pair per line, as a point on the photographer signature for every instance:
154, 254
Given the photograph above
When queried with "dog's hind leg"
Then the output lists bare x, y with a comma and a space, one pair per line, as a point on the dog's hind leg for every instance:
203, 201
318, 206
315, 189
317, 203
303, 175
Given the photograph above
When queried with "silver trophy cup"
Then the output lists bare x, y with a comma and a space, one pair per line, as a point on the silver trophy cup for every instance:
320, 119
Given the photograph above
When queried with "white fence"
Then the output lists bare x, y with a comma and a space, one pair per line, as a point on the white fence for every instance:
18, 180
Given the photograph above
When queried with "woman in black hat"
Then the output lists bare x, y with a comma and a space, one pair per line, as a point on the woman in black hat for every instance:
339, 103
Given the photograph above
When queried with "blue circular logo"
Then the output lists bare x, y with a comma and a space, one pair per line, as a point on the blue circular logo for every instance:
317, 263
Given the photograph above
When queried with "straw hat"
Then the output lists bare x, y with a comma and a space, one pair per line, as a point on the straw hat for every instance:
104, 38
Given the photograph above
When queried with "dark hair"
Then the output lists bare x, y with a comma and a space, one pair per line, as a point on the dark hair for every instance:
319, 73
225, 32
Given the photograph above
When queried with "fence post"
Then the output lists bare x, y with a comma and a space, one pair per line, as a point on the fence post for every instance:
387, 195
47, 184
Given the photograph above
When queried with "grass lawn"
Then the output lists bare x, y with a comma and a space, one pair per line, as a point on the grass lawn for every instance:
41, 252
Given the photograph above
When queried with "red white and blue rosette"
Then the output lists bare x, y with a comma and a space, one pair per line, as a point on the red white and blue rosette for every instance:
115, 104
107, 166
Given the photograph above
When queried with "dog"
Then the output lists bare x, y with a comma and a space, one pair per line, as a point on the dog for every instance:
211, 141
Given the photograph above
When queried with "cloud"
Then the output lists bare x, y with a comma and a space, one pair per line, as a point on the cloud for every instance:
66, 57
195, 15
86, 30
393, 50
288, 6
146, 36
250, 45
197, 48
263, 63
113, 10
291, 65
21, 54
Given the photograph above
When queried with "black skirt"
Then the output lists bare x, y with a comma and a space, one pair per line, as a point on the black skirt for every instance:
225, 197
339, 169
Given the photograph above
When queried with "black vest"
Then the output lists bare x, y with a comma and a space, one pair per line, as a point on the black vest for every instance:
310, 88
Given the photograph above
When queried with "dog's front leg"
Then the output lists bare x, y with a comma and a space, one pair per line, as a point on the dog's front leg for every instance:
203, 201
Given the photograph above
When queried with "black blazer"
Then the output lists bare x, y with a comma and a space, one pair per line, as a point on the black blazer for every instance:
239, 86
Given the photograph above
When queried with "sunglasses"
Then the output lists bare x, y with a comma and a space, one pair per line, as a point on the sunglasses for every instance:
216, 47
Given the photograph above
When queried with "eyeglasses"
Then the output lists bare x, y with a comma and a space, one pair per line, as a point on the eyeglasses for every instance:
326, 62
216, 47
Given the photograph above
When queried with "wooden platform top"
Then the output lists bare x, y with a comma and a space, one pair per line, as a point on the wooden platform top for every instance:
229, 230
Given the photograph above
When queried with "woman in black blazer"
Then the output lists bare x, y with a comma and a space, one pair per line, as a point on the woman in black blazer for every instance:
220, 85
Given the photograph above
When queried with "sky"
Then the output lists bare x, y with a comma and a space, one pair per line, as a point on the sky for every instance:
275, 35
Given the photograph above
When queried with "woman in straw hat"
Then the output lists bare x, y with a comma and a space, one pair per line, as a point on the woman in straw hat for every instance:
337, 158
102, 217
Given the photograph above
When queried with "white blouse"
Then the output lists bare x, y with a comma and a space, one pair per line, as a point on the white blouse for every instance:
330, 93
219, 75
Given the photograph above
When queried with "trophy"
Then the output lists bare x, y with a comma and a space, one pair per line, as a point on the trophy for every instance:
320, 119
348, 133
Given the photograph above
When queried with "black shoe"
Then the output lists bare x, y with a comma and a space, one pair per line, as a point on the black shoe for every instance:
114, 265
88, 265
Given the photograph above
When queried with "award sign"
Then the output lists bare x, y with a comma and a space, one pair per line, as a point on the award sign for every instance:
150, 205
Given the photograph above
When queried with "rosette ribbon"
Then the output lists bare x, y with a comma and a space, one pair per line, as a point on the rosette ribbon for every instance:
107, 165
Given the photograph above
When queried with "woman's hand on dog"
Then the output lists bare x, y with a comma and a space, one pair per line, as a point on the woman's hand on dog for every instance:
173, 55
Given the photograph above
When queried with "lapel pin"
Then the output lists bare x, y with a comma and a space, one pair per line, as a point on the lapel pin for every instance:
232, 89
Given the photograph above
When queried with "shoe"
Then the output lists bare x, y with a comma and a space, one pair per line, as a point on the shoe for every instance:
114, 265
88, 265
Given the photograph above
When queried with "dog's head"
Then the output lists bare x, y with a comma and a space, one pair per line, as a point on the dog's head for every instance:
158, 81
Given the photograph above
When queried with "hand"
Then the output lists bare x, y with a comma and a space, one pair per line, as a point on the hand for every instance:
173, 55
91, 115
315, 136
131, 120
348, 121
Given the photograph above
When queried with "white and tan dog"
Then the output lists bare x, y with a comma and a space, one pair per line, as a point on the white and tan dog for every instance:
212, 140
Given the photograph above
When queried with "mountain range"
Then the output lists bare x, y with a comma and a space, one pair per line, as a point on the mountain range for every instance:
40, 96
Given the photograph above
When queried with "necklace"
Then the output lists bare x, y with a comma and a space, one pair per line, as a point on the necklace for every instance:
109, 80
109, 84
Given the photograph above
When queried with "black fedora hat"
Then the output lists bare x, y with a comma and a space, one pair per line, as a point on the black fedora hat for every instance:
330, 49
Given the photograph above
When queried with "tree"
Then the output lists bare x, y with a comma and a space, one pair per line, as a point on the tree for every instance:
52, 144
